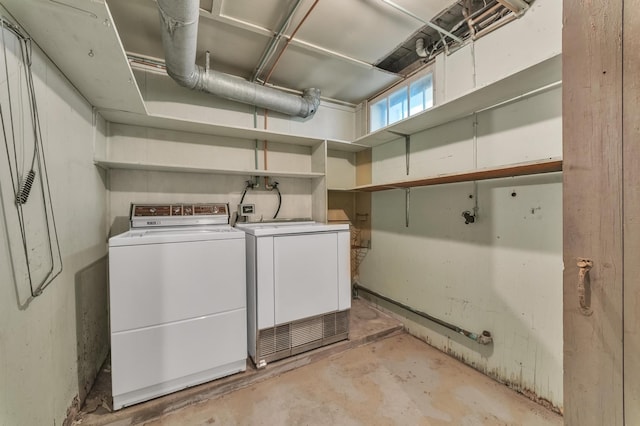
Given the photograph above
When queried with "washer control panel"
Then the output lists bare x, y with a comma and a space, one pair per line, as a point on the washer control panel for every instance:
178, 214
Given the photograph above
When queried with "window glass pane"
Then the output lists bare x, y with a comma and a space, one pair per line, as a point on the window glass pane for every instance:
378, 115
421, 94
398, 105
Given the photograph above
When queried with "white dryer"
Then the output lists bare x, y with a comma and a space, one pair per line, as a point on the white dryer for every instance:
298, 287
177, 299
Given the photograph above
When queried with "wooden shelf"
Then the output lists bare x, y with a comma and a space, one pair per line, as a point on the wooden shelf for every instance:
67, 31
106, 164
171, 123
520, 169
341, 189
345, 146
192, 126
544, 75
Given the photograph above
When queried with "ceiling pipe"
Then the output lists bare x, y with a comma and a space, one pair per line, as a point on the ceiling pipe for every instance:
516, 6
293, 34
420, 50
466, 13
179, 28
266, 55
438, 28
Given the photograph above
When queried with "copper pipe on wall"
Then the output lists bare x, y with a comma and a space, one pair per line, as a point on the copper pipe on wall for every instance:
304, 18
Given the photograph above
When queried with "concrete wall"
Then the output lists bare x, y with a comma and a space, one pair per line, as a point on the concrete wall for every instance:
163, 96
139, 144
503, 273
517, 45
52, 346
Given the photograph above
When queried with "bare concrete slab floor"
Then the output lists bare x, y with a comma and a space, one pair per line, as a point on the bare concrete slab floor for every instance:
396, 381
381, 376
367, 324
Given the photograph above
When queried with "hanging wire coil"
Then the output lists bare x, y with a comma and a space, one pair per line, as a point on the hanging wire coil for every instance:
25, 188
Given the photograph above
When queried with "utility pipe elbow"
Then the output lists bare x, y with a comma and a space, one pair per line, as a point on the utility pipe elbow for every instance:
311, 102
420, 50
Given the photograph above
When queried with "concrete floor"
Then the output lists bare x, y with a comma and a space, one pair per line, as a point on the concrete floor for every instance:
395, 381
380, 376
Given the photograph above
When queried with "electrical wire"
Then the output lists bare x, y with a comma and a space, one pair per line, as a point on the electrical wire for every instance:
13, 133
275, 186
27, 182
15, 183
42, 165
250, 185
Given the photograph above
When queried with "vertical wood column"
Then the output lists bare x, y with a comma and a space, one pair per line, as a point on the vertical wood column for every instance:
592, 205
631, 175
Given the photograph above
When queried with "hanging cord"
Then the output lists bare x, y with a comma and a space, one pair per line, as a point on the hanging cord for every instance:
27, 183
275, 186
15, 182
13, 132
244, 193
44, 182
22, 190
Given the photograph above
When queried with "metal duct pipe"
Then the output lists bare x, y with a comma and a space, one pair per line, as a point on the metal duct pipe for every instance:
179, 28
420, 50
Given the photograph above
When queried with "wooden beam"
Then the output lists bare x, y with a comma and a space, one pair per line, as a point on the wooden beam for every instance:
592, 211
631, 179
520, 169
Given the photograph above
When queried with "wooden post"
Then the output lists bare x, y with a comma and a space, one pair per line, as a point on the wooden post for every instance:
631, 176
592, 204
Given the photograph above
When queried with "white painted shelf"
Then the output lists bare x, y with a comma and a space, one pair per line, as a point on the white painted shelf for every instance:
542, 76
106, 164
345, 146
69, 33
171, 123
192, 126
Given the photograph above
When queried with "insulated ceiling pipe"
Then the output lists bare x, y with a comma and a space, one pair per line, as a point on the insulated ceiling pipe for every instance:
179, 28
420, 50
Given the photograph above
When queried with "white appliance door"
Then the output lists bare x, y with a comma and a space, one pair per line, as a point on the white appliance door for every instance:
186, 352
305, 272
161, 283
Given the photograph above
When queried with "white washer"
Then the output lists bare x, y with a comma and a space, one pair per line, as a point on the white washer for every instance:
298, 287
178, 300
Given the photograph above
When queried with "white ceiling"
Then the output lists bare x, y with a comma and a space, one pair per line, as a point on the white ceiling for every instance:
335, 49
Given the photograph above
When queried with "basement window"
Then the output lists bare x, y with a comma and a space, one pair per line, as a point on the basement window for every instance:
400, 102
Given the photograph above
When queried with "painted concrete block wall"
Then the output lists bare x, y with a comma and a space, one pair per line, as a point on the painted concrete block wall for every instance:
127, 186
518, 45
527, 41
163, 96
52, 346
341, 169
155, 146
458, 77
504, 272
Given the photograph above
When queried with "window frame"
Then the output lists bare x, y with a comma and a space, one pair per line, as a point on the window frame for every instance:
406, 85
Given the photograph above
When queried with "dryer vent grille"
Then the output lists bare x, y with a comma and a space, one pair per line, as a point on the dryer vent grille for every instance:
303, 335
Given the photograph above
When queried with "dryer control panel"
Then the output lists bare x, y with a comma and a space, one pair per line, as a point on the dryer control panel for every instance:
178, 214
